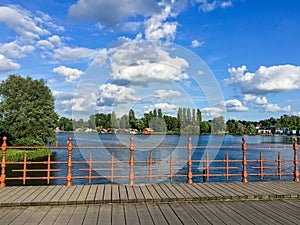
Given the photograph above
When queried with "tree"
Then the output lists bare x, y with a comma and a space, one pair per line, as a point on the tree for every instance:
27, 108
132, 119
218, 125
65, 124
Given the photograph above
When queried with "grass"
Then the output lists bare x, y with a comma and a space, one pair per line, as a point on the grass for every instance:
16, 155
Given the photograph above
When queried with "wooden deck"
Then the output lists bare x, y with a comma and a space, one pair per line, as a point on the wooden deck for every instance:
200, 203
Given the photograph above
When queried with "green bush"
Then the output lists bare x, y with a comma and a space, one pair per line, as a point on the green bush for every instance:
28, 141
16, 155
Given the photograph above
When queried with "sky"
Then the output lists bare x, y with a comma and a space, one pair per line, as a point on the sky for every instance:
233, 58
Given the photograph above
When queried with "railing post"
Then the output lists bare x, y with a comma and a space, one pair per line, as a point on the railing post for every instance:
244, 174
69, 176
296, 171
131, 162
190, 174
3, 164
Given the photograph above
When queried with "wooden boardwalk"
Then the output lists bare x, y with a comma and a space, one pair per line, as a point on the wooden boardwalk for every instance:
200, 203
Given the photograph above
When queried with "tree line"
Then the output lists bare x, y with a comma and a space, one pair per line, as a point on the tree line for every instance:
28, 117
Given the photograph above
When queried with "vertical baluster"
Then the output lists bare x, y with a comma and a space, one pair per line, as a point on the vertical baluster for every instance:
112, 166
48, 168
131, 162
296, 170
227, 166
244, 174
261, 166
207, 167
69, 176
150, 166
190, 174
3, 164
90, 167
279, 166
24, 168
171, 167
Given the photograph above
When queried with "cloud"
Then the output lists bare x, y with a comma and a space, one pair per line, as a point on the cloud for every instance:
234, 105
111, 94
113, 12
212, 111
166, 94
165, 107
15, 51
139, 61
276, 108
50, 43
7, 65
23, 22
196, 43
282, 78
70, 74
261, 101
75, 54
208, 6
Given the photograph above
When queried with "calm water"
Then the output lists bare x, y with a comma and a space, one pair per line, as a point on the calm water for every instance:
85, 139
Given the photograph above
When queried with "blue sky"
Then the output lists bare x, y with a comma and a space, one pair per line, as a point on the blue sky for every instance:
235, 58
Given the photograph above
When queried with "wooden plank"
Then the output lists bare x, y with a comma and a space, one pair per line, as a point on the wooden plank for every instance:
11, 215
262, 215
91, 216
64, 216
202, 195
4, 192
118, 217
223, 206
65, 198
154, 194
72, 200
51, 216
182, 214
187, 189
131, 216
91, 195
28, 192
56, 198
208, 214
99, 194
235, 186
210, 188
184, 192
169, 214
37, 216
177, 195
201, 189
169, 193
143, 214
156, 214
284, 212
78, 214
115, 196
123, 193
138, 193
10, 197
83, 195
163, 196
107, 194
27, 201
226, 219
24, 216
130, 193
147, 195
37, 199
194, 213
48, 196
105, 215
228, 193
280, 218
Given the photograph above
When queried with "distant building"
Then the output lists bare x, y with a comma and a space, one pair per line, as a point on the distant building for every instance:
147, 131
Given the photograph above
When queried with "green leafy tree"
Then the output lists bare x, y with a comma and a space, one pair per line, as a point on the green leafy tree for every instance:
65, 124
27, 108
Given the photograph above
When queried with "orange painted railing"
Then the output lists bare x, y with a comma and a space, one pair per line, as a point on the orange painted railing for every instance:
149, 169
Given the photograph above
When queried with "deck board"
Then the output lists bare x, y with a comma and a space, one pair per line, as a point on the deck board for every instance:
78, 214
131, 214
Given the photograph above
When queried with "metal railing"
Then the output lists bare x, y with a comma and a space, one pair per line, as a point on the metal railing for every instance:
132, 169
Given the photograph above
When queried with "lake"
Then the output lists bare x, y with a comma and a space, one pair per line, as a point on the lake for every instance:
159, 153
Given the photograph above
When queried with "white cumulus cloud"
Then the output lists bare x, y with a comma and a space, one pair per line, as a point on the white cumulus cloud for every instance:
276, 108
165, 107
234, 105
169, 94
280, 78
7, 64
196, 43
69, 74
